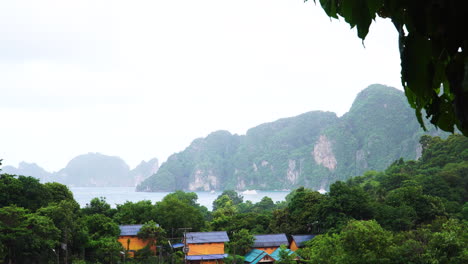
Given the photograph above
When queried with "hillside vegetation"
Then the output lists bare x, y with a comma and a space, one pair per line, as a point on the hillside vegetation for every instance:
313, 150
411, 212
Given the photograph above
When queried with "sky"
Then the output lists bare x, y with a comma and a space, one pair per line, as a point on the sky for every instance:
142, 79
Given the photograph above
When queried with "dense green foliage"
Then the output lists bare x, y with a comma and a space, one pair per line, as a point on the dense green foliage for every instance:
433, 51
412, 212
37, 219
152, 233
407, 214
286, 256
47, 225
180, 210
240, 242
313, 149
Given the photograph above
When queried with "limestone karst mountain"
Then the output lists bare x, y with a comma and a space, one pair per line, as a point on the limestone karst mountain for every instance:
313, 149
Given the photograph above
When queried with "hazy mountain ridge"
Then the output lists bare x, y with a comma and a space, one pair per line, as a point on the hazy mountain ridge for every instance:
25, 168
313, 149
90, 170
144, 170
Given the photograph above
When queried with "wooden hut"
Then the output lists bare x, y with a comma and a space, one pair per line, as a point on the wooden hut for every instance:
269, 243
276, 254
298, 241
258, 256
129, 240
205, 247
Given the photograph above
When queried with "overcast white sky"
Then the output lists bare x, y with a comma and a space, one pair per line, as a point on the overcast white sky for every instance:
142, 79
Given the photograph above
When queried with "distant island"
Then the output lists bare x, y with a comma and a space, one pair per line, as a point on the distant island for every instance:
90, 170
313, 149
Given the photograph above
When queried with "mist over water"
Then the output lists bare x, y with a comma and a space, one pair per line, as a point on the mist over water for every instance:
119, 195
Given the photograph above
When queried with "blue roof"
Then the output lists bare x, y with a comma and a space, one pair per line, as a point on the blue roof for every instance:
254, 256
301, 239
274, 240
206, 237
129, 230
276, 255
201, 257
178, 245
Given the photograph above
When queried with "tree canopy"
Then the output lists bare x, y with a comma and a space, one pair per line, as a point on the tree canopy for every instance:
433, 51
413, 212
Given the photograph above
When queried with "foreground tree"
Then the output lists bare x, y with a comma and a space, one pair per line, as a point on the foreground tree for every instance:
180, 210
58, 192
26, 237
325, 249
433, 42
286, 256
366, 242
64, 216
152, 233
240, 244
105, 250
22, 191
98, 206
342, 204
358, 242
135, 213
227, 195
101, 243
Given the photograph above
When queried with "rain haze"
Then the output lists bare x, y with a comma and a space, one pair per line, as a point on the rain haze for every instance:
142, 79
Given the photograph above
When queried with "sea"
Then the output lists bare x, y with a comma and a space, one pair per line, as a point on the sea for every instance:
119, 195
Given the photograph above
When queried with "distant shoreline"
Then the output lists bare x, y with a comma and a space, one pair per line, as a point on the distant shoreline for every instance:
120, 195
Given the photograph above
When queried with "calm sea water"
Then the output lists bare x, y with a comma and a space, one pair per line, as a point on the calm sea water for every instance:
119, 195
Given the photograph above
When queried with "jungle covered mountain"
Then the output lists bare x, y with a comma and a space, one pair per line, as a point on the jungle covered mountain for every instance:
313, 149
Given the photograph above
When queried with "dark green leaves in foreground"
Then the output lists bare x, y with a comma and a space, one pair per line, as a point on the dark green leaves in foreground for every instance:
433, 48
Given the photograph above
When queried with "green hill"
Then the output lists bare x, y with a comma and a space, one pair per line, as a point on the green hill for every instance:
313, 149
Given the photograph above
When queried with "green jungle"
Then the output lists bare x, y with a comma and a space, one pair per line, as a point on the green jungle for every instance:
412, 212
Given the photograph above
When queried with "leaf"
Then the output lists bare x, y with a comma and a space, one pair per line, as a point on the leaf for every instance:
442, 113
357, 13
415, 65
375, 6
330, 7
435, 42
413, 101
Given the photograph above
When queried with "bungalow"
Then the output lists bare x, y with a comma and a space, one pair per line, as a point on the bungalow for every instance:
298, 241
205, 247
258, 256
276, 254
269, 243
129, 240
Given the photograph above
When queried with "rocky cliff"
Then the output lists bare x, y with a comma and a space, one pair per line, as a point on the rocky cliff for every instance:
143, 171
313, 149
